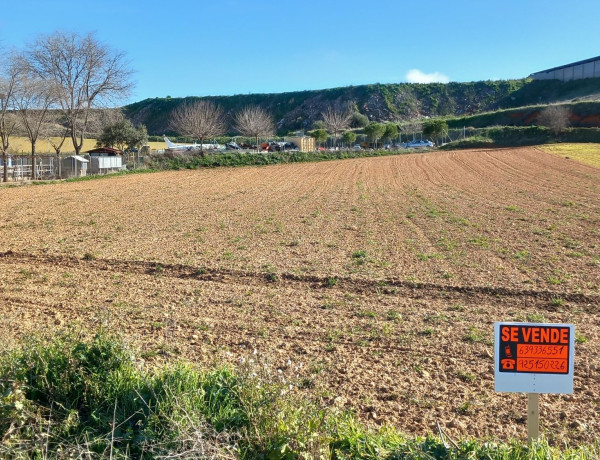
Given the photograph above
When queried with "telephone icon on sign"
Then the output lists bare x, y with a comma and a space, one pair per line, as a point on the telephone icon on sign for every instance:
508, 364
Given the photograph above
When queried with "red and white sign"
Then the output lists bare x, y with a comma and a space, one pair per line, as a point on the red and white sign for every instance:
534, 358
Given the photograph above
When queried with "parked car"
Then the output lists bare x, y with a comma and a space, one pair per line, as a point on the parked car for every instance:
232, 146
357, 147
418, 144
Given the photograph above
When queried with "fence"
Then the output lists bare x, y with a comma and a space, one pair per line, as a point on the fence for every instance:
20, 167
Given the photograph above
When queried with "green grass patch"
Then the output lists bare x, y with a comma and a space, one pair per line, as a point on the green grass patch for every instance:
535, 318
75, 397
583, 153
477, 336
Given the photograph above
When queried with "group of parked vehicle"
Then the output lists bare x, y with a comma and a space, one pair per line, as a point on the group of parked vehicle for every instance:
278, 146
416, 144
270, 146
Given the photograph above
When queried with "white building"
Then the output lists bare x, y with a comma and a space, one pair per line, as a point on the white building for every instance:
105, 160
590, 68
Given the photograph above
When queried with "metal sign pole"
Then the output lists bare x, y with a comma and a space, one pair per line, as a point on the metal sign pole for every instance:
533, 416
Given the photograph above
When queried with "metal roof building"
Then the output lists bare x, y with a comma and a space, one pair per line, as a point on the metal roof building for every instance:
105, 160
589, 68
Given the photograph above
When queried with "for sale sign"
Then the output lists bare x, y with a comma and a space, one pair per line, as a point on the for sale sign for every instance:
534, 358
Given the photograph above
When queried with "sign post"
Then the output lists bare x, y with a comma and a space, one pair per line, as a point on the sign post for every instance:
533, 416
534, 358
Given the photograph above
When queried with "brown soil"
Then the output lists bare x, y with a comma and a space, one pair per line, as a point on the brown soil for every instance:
372, 284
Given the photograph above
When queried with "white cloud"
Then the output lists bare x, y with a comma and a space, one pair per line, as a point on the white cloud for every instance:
416, 76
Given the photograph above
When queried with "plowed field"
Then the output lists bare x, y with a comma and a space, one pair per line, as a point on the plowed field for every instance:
371, 283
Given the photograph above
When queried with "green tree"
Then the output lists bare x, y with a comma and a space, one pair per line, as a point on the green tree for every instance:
319, 124
358, 120
375, 131
123, 136
349, 138
391, 132
320, 135
435, 128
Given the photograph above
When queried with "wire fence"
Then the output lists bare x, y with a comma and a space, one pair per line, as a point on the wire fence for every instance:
20, 167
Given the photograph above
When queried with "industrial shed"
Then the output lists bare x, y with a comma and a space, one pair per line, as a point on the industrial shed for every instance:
104, 160
589, 68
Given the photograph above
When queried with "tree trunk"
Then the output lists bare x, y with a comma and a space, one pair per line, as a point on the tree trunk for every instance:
77, 143
5, 168
33, 171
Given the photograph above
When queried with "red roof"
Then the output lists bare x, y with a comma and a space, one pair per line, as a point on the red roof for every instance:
105, 150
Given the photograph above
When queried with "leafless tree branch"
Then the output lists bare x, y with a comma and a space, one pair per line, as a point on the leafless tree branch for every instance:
32, 100
555, 117
337, 119
252, 121
8, 82
199, 120
85, 72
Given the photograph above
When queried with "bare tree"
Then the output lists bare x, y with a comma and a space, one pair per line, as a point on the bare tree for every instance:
86, 72
32, 100
555, 117
336, 119
252, 121
413, 127
58, 130
199, 120
8, 122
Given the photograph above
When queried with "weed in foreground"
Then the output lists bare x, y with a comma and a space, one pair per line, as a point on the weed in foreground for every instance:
331, 281
359, 257
74, 397
580, 338
557, 302
476, 336
393, 315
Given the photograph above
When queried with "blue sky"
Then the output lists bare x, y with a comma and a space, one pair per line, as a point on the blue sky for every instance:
198, 48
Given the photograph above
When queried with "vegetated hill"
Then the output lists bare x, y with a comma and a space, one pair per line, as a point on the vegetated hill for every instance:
380, 102
582, 115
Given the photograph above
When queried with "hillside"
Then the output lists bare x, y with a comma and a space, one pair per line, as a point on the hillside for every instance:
381, 102
582, 115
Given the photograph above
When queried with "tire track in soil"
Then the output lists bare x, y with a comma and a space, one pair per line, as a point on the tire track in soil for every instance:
526, 178
346, 284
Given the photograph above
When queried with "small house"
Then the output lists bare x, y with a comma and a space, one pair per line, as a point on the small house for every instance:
74, 166
104, 160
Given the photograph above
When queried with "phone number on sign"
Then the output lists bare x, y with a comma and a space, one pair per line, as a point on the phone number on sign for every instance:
542, 351
556, 366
